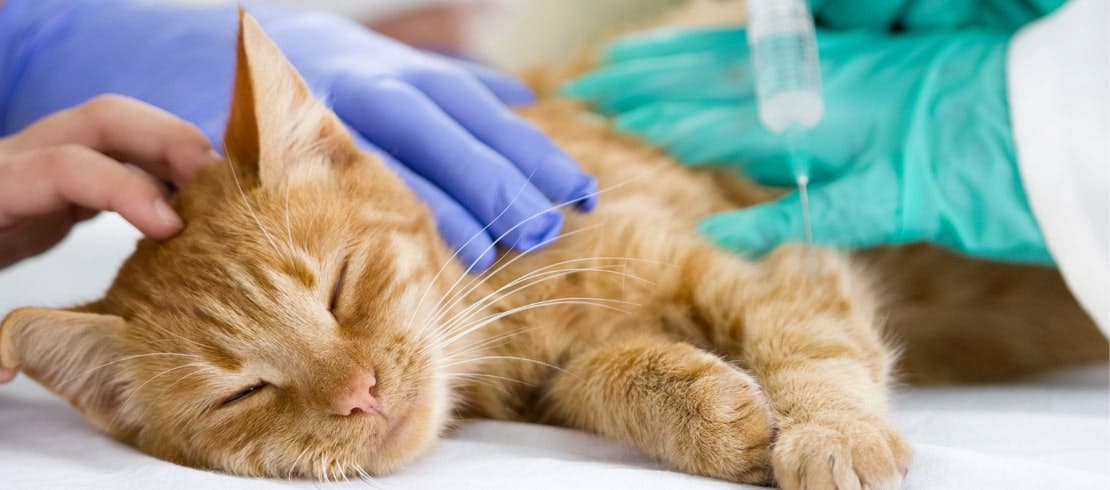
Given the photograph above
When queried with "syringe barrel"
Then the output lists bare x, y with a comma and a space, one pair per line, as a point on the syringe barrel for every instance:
787, 74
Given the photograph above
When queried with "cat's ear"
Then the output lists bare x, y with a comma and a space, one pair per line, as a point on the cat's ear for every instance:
275, 122
71, 353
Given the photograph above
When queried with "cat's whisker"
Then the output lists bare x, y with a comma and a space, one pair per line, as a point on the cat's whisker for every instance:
441, 308
555, 207
475, 376
247, 203
468, 350
596, 302
543, 271
463, 246
596, 193
461, 321
477, 282
293, 467
152, 378
156, 327
87, 372
535, 280
529, 280
186, 376
323, 469
365, 477
494, 358
436, 324
288, 225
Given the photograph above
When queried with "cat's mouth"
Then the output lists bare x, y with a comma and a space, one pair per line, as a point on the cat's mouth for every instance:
400, 419
414, 421
397, 427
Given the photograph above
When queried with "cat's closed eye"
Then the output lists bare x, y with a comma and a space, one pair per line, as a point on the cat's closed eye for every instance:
338, 287
244, 393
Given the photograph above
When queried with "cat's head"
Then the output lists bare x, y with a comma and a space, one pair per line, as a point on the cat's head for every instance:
289, 330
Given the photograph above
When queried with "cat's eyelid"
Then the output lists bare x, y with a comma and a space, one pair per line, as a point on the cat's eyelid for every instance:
243, 394
338, 287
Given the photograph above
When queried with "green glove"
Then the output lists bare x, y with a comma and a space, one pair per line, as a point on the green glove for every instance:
915, 143
930, 14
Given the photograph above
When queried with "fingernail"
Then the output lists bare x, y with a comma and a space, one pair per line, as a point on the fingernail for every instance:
539, 231
7, 374
167, 214
580, 189
585, 195
196, 157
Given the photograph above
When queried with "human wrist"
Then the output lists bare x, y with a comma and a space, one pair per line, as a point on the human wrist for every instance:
961, 186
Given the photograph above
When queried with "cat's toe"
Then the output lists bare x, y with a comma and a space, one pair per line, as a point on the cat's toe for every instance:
844, 454
732, 434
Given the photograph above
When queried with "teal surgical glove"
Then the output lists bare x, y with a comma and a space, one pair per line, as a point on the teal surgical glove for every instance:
929, 14
915, 144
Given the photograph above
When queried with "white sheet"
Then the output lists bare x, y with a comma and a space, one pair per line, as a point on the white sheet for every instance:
1051, 433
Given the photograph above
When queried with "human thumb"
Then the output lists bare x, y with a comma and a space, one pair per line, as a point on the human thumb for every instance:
851, 212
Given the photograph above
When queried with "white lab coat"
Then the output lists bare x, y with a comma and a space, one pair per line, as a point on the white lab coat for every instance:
1059, 86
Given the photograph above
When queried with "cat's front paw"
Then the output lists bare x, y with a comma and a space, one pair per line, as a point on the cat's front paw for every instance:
732, 430
847, 453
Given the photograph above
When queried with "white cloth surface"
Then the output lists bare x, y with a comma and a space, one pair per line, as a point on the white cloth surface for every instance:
1049, 433
1059, 85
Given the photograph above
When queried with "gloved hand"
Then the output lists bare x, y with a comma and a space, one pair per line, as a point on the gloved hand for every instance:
441, 124
929, 14
915, 143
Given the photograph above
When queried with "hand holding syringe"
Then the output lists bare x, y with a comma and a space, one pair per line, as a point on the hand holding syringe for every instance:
787, 80
914, 143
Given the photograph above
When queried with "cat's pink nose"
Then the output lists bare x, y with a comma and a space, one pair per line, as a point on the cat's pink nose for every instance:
359, 397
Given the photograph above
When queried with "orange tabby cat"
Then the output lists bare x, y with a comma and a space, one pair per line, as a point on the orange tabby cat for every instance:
309, 321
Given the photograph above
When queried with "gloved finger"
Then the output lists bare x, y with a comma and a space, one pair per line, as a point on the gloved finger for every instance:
545, 165
668, 42
697, 76
42, 181
509, 90
847, 213
1010, 14
731, 135
699, 134
462, 233
404, 122
460, 230
129, 130
853, 14
937, 14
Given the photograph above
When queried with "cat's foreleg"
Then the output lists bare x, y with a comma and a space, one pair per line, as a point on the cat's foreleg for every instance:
806, 331
670, 400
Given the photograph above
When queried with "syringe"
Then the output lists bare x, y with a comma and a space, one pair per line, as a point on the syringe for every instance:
787, 81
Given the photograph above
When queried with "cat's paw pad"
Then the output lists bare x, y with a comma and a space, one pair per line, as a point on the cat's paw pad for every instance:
846, 454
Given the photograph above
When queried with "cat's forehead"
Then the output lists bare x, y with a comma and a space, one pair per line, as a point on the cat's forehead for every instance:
232, 291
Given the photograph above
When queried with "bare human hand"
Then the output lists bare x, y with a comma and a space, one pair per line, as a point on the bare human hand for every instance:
70, 165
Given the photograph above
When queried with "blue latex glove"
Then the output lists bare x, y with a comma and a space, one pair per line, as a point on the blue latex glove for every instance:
929, 14
915, 143
441, 124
